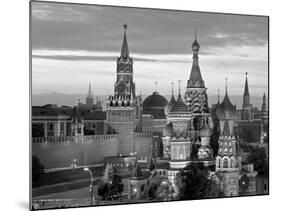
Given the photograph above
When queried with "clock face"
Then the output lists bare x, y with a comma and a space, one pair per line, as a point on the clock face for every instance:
121, 87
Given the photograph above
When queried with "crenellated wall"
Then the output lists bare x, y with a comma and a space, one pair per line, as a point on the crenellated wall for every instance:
56, 152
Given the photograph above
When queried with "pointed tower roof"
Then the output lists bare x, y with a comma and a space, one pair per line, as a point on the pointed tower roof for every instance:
125, 48
137, 173
150, 164
89, 94
195, 78
226, 104
179, 106
226, 131
172, 100
264, 104
246, 89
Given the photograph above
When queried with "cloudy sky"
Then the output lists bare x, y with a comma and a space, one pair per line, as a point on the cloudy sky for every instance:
74, 44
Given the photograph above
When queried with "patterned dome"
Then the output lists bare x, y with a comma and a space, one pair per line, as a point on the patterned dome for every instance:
179, 107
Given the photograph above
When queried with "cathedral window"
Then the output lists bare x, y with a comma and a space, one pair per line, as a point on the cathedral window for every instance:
225, 163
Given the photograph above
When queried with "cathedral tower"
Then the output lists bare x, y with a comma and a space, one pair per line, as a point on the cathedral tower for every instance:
195, 95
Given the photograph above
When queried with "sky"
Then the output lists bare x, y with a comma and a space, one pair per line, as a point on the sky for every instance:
73, 45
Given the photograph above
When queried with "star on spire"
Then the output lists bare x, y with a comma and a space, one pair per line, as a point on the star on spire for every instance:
125, 26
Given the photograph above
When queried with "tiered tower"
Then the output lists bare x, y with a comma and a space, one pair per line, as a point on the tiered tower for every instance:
228, 163
195, 95
122, 107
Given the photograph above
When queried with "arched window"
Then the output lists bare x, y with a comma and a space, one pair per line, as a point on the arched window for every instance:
181, 153
225, 163
232, 163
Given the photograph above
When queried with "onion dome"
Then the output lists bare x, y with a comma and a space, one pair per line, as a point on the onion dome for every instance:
155, 105
168, 130
226, 104
137, 173
195, 45
179, 107
205, 131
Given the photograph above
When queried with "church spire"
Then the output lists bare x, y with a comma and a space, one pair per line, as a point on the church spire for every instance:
90, 90
195, 79
264, 106
246, 90
246, 95
125, 48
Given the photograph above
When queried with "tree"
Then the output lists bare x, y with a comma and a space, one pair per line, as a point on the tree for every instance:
111, 185
37, 130
194, 182
259, 158
37, 171
161, 191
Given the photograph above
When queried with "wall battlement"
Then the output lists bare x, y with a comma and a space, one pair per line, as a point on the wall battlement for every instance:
143, 135
90, 138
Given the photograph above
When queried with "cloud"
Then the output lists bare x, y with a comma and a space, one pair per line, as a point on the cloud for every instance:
99, 28
74, 43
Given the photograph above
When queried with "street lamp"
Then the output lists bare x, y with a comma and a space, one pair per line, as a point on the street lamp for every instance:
91, 184
73, 166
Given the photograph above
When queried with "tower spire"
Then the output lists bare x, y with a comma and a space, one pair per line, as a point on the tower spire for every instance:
156, 83
195, 78
264, 106
172, 88
125, 48
246, 95
246, 90
90, 89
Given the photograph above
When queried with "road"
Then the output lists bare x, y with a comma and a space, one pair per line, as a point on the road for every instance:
75, 198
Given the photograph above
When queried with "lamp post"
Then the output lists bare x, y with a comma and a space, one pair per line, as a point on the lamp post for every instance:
91, 184
73, 166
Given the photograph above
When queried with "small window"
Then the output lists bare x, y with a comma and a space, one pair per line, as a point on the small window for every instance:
62, 126
94, 125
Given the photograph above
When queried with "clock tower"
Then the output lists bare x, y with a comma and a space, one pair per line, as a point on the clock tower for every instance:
124, 86
123, 105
